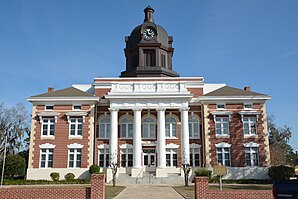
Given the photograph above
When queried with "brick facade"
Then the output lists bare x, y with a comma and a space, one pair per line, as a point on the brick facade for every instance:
97, 191
202, 192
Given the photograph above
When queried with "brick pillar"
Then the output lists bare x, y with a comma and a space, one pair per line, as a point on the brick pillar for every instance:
97, 186
201, 187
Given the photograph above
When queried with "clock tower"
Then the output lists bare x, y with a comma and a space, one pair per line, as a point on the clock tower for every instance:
149, 50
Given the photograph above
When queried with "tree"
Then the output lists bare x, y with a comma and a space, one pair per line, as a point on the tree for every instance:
14, 125
14, 165
281, 152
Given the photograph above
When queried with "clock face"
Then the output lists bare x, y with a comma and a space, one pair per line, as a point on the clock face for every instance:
148, 34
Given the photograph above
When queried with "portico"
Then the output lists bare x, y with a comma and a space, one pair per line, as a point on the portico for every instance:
149, 97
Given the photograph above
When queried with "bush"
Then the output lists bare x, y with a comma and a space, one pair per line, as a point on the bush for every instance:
203, 172
15, 165
55, 176
94, 169
69, 176
281, 172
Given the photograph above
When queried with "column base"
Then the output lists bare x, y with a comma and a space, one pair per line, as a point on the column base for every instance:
161, 173
137, 172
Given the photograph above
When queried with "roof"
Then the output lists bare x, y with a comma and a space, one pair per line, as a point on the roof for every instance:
230, 91
67, 92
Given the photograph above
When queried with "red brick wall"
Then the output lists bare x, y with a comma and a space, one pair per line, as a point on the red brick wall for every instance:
97, 191
202, 192
62, 138
237, 138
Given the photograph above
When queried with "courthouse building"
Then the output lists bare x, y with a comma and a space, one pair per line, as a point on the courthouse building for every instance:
149, 119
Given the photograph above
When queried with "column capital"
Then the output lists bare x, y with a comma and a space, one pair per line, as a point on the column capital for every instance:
183, 109
160, 109
113, 109
137, 109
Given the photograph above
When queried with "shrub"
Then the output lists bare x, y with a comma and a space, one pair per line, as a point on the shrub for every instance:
15, 165
203, 172
281, 172
55, 176
69, 176
94, 169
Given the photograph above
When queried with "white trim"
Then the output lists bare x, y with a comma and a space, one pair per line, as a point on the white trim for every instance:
103, 146
199, 125
172, 146
193, 145
169, 115
45, 107
75, 146
251, 144
222, 113
223, 145
126, 146
48, 114
47, 146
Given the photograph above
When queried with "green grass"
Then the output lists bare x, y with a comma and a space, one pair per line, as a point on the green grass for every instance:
189, 192
112, 192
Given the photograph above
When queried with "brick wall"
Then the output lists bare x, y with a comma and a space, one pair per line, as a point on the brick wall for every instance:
202, 192
97, 191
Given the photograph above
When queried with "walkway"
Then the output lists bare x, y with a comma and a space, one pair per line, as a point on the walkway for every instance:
148, 191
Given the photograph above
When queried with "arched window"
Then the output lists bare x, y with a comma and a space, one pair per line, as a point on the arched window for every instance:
104, 127
149, 127
171, 126
126, 127
194, 127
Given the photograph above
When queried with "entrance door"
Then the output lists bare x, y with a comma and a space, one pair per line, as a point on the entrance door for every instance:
149, 160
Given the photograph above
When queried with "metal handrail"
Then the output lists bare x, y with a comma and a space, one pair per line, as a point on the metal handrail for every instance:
139, 176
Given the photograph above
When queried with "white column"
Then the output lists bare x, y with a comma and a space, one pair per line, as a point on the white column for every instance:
137, 138
184, 135
161, 138
113, 135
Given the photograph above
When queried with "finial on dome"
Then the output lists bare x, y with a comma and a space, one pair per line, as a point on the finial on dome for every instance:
148, 14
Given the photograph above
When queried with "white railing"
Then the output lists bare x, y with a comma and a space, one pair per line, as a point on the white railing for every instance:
148, 87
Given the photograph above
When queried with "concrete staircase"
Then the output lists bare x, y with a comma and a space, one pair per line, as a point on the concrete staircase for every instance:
149, 178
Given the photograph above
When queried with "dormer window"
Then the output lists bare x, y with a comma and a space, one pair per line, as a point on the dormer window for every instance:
77, 107
220, 106
49, 107
248, 106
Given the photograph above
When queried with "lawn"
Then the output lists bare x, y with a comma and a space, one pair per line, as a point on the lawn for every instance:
189, 192
112, 192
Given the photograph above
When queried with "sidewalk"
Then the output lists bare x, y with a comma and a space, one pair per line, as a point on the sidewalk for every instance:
148, 191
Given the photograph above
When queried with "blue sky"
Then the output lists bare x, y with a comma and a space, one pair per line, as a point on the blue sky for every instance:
61, 42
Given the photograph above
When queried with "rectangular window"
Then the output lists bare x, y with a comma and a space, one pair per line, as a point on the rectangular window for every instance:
194, 157
223, 156
171, 157
103, 157
249, 125
76, 127
163, 61
247, 106
48, 127
77, 107
46, 158
74, 158
222, 125
126, 157
149, 56
251, 156
220, 106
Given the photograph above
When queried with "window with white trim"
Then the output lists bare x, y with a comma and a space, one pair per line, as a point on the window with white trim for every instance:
77, 107
194, 127
222, 125
46, 158
126, 127
49, 107
171, 157
74, 158
48, 127
250, 125
223, 156
194, 158
104, 127
220, 106
75, 126
171, 126
149, 127
126, 157
247, 106
104, 157
251, 156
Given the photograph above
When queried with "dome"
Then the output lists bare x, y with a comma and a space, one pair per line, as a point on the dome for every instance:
137, 33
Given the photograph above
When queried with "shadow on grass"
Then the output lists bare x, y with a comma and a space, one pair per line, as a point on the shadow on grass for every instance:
112, 192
